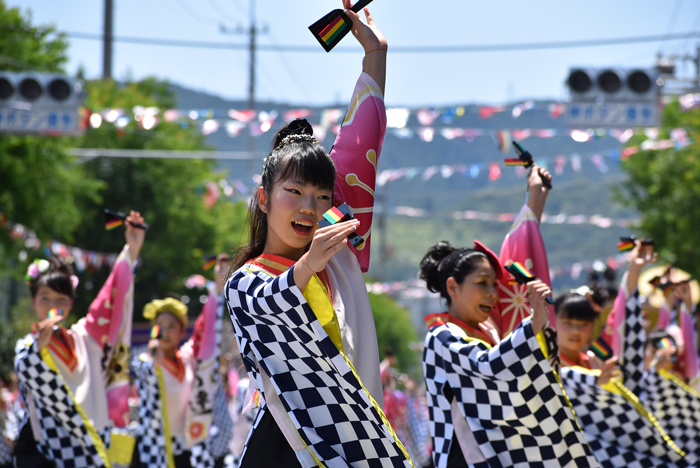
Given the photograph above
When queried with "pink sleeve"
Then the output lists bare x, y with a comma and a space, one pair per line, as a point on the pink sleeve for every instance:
614, 331
356, 154
690, 354
113, 304
523, 244
203, 339
664, 319
108, 322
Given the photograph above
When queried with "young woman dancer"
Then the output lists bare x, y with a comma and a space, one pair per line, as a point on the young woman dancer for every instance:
298, 301
494, 402
75, 381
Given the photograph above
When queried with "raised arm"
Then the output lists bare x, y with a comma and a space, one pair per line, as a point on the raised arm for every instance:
358, 145
110, 314
538, 191
374, 43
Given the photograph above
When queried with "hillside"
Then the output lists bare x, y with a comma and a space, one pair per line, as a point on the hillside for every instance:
586, 191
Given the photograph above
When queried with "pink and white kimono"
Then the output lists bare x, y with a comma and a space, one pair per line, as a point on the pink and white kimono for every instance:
76, 394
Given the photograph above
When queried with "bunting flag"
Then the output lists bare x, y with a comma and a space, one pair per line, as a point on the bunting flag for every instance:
81, 259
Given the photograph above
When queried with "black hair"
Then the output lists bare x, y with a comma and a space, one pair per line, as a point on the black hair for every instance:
603, 285
444, 261
388, 351
56, 277
302, 159
575, 306
657, 335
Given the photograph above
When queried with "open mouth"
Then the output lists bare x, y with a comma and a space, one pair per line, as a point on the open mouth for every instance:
485, 308
303, 228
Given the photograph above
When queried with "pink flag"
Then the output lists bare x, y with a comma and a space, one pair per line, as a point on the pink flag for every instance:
522, 244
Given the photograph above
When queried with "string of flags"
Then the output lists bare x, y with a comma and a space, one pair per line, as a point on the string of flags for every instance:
431, 121
81, 259
597, 220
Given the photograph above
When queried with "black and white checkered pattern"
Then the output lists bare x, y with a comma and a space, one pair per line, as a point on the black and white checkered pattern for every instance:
508, 394
618, 433
151, 437
67, 441
221, 441
10, 421
277, 330
634, 339
677, 410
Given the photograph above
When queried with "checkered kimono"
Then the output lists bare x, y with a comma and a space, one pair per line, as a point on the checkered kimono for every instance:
677, 407
332, 413
509, 395
67, 433
625, 334
11, 415
201, 353
221, 439
67, 439
620, 430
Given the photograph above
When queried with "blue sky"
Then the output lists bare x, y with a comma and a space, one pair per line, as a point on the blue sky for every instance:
413, 79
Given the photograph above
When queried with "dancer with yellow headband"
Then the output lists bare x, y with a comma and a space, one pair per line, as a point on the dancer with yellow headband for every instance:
176, 386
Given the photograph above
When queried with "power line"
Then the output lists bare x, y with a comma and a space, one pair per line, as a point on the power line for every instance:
220, 10
395, 49
184, 6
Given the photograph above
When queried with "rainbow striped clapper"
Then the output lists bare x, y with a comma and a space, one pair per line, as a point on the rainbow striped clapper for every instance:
522, 275
339, 214
626, 244
209, 262
155, 333
602, 349
114, 219
525, 159
55, 313
333, 27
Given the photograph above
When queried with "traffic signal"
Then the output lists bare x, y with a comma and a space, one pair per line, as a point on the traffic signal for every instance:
613, 97
613, 84
40, 103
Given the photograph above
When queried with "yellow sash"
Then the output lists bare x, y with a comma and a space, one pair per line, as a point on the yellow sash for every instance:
617, 387
317, 297
92, 432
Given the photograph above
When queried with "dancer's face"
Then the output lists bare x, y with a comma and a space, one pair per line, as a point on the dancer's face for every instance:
473, 300
573, 335
172, 332
47, 299
293, 210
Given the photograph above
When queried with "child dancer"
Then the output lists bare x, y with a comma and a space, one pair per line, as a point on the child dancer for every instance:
620, 430
177, 386
298, 301
75, 381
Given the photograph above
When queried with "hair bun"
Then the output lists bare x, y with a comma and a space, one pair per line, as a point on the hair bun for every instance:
430, 263
295, 127
300, 127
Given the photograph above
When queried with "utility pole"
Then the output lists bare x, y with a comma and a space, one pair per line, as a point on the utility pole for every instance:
252, 32
107, 40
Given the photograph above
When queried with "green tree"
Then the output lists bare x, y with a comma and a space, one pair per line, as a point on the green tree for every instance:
39, 185
394, 329
664, 186
167, 192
